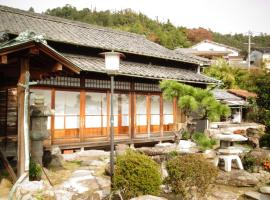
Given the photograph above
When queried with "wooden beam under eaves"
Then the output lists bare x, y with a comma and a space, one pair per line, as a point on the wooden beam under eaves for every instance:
33, 51
3, 59
57, 67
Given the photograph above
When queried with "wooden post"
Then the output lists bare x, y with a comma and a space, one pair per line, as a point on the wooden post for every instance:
82, 114
161, 116
148, 114
24, 67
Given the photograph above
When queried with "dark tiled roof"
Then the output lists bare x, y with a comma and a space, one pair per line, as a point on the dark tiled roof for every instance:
94, 64
57, 29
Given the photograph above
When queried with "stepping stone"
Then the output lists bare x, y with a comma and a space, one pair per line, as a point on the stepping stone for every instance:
265, 189
257, 196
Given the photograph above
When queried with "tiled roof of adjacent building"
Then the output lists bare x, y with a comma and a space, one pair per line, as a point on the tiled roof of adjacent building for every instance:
94, 64
242, 93
15, 21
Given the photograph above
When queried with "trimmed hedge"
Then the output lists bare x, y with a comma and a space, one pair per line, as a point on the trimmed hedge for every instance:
136, 174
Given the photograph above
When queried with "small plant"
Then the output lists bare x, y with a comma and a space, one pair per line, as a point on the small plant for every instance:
136, 174
35, 171
189, 172
203, 141
186, 135
249, 163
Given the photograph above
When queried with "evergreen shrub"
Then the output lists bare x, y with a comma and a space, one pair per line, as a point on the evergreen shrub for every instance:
136, 174
188, 174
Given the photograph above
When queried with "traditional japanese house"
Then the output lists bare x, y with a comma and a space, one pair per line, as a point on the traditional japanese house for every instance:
63, 57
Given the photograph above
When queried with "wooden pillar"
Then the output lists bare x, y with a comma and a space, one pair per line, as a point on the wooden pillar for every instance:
148, 114
52, 117
175, 113
132, 113
108, 98
82, 114
24, 67
161, 116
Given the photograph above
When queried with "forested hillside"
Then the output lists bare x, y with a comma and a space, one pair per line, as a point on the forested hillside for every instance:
162, 33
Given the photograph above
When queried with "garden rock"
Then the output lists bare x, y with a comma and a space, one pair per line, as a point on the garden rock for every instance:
260, 153
262, 176
239, 178
56, 161
265, 189
223, 195
63, 194
121, 149
148, 197
257, 195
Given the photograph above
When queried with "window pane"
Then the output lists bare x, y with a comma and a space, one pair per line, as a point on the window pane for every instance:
168, 119
141, 120
96, 104
59, 122
155, 120
72, 103
60, 103
67, 104
92, 121
140, 104
125, 120
168, 107
125, 104
72, 122
155, 105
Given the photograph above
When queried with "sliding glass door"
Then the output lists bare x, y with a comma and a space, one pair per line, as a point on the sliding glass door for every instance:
67, 114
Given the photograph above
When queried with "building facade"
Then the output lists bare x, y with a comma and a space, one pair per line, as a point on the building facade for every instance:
63, 58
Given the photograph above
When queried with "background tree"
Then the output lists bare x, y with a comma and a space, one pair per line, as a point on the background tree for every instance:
164, 33
197, 35
231, 76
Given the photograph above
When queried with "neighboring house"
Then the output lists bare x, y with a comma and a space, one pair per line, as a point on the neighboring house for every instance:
213, 50
236, 103
71, 76
261, 57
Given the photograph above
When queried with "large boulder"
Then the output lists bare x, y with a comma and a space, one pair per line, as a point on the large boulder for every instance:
238, 178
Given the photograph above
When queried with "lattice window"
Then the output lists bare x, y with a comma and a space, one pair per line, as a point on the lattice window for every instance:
147, 87
106, 84
101, 84
61, 81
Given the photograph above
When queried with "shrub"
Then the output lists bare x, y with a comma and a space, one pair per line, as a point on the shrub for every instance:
265, 140
203, 141
187, 172
35, 171
185, 135
136, 174
249, 162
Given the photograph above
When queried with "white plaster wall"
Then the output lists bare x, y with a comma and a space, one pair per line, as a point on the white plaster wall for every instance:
206, 46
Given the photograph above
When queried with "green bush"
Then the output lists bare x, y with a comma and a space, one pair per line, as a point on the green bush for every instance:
265, 140
203, 141
249, 162
136, 174
185, 135
190, 171
35, 171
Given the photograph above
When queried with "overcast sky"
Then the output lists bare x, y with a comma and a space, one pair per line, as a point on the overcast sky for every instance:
225, 16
